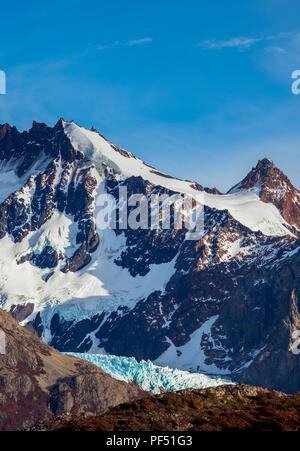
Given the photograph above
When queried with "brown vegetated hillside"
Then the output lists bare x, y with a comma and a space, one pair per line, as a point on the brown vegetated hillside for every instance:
223, 408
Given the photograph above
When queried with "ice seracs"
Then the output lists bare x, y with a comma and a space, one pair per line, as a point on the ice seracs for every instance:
151, 377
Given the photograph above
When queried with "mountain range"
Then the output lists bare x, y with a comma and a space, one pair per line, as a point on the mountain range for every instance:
225, 304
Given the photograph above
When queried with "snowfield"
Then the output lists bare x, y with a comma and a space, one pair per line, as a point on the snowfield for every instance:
190, 356
150, 377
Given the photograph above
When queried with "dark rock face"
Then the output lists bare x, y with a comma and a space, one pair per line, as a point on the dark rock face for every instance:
277, 307
21, 312
48, 258
35, 326
151, 246
70, 335
37, 382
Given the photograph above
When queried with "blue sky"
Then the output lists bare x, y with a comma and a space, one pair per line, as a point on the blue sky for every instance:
199, 89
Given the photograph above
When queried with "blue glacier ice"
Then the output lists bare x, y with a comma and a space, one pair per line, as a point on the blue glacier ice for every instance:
150, 377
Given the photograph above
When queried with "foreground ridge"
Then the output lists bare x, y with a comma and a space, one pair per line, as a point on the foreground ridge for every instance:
223, 408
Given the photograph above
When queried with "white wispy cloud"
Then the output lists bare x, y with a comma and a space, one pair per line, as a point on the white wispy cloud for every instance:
280, 56
128, 43
238, 42
279, 43
139, 41
108, 46
275, 49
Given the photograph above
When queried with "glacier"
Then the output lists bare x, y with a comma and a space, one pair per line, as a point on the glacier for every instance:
150, 377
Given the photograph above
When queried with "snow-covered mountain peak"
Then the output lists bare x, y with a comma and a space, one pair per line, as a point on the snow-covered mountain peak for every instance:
97, 149
100, 151
274, 187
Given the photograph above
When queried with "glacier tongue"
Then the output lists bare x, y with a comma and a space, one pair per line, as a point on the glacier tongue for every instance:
150, 377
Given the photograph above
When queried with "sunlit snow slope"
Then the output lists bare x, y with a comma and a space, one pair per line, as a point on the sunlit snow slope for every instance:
244, 206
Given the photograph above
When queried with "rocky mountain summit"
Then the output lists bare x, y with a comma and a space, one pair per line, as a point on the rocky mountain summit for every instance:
226, 303
37, 382
273, 187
